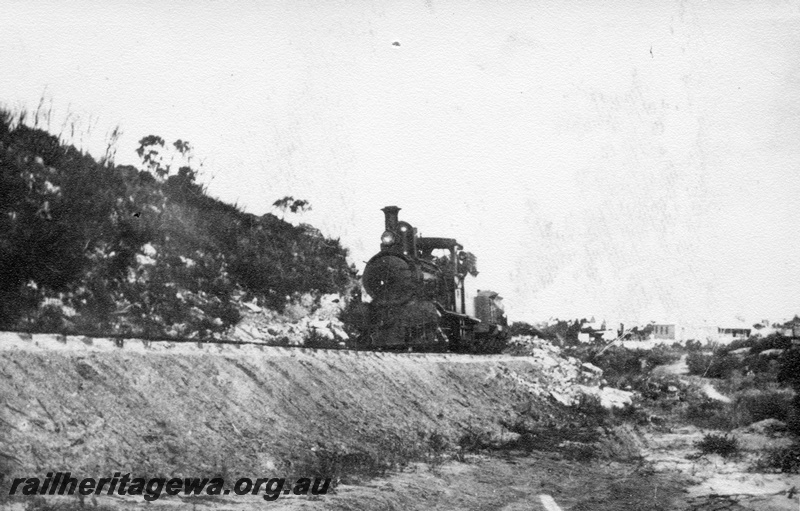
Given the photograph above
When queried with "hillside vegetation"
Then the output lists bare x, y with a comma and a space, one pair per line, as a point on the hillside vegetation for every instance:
90, 247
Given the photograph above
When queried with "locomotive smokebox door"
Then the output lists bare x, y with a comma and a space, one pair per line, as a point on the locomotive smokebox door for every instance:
389, 279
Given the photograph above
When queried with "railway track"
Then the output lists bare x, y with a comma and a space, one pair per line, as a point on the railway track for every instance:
15, 341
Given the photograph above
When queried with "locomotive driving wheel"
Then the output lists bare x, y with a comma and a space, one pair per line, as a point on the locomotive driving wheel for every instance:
425, 337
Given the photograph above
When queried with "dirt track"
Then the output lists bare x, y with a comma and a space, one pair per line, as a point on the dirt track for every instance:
504, 483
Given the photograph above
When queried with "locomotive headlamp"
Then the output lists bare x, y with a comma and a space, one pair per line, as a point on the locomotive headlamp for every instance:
387, 238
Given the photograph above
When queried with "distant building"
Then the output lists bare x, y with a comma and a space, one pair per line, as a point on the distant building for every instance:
664, 331
733, 332
682, 332
701, 332
790, 328
592, 330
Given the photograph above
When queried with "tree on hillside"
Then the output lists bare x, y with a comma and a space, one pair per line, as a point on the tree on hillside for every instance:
158, 162
183, 147
151, 156
291, 204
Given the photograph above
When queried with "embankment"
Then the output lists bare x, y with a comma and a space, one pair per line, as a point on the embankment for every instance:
91, 407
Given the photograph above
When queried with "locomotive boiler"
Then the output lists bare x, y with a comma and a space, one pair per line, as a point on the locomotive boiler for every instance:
419, 301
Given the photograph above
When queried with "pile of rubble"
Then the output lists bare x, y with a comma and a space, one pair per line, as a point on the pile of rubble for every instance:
563, 378
301, 320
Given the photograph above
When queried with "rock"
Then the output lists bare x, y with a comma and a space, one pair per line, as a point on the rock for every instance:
562, 398
615, 398
51, 188
252, 306
149, 250
318, 324
143, 260
714, 394
254, 333
609, 396
326, 333
341, 334
592, 368
241, 333
766, 426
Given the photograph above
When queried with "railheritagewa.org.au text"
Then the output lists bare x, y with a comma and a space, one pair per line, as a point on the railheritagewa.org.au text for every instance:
63, 483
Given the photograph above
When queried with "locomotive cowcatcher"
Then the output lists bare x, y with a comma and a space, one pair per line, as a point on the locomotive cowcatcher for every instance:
418, 299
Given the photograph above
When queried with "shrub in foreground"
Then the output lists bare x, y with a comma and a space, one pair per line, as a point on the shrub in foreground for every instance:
712, 366
724, 445
624, 366
757, 406
789, 374
785, 460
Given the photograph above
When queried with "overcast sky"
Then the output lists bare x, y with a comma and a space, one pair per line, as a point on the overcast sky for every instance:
631, 160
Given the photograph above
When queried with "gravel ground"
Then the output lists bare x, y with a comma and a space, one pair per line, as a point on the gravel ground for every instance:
93, 408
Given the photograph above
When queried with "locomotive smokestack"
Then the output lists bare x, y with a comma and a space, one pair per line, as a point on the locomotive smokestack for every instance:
391, 217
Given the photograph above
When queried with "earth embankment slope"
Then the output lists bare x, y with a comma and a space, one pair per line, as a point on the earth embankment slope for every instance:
93, 408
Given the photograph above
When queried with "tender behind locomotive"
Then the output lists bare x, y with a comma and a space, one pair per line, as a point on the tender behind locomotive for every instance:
419, 300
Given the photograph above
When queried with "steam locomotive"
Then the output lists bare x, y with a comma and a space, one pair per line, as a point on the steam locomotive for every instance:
419, 301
